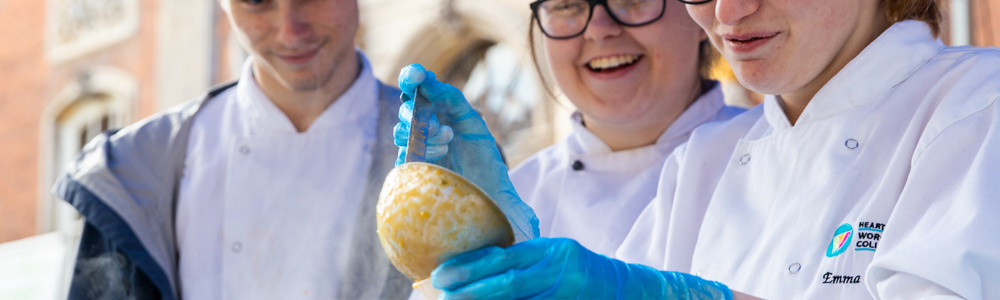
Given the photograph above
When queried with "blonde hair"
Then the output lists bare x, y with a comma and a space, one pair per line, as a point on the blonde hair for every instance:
921, 10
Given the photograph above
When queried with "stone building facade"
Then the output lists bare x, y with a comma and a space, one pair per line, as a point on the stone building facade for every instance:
71, 69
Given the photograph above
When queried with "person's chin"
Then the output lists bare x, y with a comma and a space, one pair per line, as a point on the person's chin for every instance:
765, 84
620, 105
302, 81
758, 76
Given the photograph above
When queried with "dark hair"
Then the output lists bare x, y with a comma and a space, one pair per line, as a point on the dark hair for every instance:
706, 58
921, 10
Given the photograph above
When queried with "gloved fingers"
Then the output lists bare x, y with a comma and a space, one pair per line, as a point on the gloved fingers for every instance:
513, 284
442, 93
401, 157
441, 136
435, 152
406, 111
406, 116
443, 96
461, 116
488, 261
401, 134
410, 77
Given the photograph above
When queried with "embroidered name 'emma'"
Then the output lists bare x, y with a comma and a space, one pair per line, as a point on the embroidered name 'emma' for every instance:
829, 278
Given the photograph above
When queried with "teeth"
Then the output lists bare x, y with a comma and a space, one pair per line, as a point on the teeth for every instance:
612, 62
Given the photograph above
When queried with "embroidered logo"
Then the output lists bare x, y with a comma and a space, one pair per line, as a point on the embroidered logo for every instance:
841, 240
868, 235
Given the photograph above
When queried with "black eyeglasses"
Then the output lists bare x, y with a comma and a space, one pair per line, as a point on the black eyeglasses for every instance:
696, 2
565, 19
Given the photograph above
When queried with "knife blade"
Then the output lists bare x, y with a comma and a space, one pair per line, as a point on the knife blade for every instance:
416, 146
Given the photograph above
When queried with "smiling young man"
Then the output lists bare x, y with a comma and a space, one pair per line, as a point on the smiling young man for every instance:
264, 188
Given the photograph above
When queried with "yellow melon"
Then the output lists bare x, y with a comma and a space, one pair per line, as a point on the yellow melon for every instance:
427, 214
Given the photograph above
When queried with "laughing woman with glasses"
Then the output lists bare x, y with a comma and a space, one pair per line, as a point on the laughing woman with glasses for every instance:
634, 70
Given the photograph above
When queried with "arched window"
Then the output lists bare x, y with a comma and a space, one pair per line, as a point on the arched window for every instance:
100, 99
78, 123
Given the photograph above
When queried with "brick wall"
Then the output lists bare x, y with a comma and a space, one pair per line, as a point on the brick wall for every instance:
29, 82
985, 19
23, 74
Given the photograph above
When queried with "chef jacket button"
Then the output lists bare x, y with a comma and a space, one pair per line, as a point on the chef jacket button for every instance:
794, 268
245, 150
237, 246
745, 159
851, 144
577, 165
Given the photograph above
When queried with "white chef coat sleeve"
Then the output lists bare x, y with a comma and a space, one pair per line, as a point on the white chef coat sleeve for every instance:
646, 242
942, 240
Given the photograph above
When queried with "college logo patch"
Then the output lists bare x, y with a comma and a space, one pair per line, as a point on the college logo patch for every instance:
841, 240
869, 233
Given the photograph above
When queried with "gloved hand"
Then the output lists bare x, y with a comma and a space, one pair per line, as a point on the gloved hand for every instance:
438, 136
545, 268
472, 152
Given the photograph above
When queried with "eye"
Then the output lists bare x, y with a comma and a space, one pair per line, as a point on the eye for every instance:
255, 5
566, 7
631, 4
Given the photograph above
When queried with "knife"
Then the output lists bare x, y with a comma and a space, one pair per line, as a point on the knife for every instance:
416, 146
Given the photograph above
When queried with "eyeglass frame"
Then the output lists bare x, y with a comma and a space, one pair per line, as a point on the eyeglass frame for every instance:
593, 3
696, 2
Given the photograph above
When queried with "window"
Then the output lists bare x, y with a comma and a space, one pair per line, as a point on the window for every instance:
100, 98
78, 123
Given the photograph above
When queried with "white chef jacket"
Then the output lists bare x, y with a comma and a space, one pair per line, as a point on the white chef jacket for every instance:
887, 187
597, 201
266, 212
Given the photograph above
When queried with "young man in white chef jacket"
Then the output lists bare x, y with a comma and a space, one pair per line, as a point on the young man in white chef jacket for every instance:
264, 188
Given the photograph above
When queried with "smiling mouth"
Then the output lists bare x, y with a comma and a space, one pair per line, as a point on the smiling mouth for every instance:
299, 55
751, 39
606, 64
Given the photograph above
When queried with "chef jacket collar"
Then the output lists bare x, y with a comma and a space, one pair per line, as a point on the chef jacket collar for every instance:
879, 67
358, 102
703, 108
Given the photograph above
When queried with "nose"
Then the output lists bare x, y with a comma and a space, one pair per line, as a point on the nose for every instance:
601, 25
293, 27
730, 12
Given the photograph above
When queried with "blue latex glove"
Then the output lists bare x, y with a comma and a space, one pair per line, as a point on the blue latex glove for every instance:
472, 152
438, 136
545, 268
